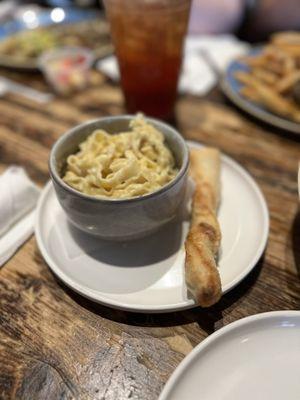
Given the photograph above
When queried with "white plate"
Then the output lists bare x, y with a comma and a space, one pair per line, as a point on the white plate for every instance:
257, 357
147, 275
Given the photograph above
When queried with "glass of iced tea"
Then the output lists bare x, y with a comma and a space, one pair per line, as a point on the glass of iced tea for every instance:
148, 36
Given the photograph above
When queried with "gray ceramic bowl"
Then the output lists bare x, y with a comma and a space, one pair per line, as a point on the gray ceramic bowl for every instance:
118, 219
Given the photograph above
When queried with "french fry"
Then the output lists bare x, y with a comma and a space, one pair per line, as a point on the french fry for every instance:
286, 38
288, 81
273, 74
289, 64
296, 116
254, 61
276, 67
264, 75
292, 49
272, 100
250, 94
246, 78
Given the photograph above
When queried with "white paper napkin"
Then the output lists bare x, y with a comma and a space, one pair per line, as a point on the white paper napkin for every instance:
197, 76
18, 197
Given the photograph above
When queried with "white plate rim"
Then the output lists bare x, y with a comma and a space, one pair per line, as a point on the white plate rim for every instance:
214, 336
107, 301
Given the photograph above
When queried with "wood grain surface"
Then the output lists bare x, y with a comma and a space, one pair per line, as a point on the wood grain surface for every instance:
55, 344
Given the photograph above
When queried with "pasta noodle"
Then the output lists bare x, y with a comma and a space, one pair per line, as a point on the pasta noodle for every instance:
122, 165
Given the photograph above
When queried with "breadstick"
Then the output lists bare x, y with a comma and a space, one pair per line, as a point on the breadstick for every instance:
203, 240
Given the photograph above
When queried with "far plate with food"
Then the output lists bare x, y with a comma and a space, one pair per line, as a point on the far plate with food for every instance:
266, 82
257, 357
20, 47
146, 274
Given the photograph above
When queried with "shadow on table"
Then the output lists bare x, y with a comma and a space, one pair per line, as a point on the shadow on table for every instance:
135, 253
264, 125
296, 241
205, 318
292, 253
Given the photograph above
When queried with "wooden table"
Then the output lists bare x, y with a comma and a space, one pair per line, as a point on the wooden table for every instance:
55, 344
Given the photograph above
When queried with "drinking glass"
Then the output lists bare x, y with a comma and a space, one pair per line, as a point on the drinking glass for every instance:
148, 36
